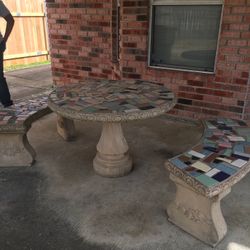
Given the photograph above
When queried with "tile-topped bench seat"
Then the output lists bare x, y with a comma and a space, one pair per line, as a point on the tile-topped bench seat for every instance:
15, 149
205, 174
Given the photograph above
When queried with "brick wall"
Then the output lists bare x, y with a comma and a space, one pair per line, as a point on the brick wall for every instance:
83, 44
246, 112
80, 34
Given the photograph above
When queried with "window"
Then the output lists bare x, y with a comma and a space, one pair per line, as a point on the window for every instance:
184, 34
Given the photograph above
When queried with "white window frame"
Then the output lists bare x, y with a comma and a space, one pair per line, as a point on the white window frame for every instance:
182, 2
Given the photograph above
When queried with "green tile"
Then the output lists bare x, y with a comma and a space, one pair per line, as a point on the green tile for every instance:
206, 180
228, 152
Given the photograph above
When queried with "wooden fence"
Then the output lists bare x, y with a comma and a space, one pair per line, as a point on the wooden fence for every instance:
28, 41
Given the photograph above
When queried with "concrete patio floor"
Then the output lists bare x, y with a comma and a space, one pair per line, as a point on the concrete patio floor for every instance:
25, 82
60, 203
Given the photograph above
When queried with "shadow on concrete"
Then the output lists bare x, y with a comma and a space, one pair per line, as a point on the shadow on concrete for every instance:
60, 203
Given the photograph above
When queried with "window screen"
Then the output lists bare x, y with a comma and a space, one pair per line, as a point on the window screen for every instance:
185, 36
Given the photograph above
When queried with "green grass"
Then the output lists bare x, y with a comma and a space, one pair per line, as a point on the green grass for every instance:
25, 66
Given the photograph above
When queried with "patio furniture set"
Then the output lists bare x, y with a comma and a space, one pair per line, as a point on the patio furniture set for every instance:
111, 103
203, 175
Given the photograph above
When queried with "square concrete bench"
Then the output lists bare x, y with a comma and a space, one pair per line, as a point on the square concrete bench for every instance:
205, 174
15, 122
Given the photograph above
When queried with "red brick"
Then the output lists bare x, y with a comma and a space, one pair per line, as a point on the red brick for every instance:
244, 51
233, 58
245, 74
240, 43
241, 10
190, 96
210, 112
245, 35
241, 27
83, 44
232, 19
227, 10
230, 34
242, 67
186, 89
247, 19
235, 2
241, 81
210, 98
195, 83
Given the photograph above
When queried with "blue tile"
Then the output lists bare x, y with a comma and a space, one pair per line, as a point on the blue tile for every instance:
212, 149
239, 151
239, 147
241, 156
206, 152
225, 167
194, 173
178, 163
221, 176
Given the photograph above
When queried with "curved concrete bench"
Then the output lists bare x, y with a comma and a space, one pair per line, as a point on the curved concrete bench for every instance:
15, 122
205, 174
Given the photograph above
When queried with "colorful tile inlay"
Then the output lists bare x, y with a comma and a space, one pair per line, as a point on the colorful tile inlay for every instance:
20, 111
224, 151
123, 97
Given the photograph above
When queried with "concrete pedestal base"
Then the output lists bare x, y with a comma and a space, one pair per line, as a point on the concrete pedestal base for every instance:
112, 158
196, 214
15, 150
66, 128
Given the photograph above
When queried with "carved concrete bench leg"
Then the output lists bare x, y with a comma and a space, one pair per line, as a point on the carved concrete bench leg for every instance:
197, 214
66, 128
15, 150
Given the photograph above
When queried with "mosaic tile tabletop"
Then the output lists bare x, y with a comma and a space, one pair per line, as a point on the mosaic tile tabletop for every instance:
16, 115
111, 100
223, 154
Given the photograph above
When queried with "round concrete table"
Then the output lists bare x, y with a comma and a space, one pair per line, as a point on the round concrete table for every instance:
111, 102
